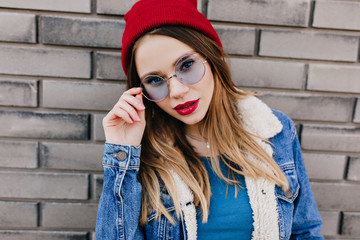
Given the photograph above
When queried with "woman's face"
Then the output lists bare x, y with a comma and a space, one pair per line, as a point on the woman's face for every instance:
157, 54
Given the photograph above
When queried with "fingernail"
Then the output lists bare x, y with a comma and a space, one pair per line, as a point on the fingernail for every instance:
141, 106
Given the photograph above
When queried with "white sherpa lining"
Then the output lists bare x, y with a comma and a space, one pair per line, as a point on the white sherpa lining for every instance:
263, 203
187, 206
258, 119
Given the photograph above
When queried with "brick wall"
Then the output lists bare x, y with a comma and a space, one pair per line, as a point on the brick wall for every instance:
60, 72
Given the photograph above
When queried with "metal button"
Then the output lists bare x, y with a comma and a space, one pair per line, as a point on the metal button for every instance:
289, 193
121, 156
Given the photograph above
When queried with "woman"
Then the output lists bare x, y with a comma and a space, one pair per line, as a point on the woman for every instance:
188, 154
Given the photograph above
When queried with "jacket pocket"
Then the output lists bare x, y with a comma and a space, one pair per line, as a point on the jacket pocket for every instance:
161, 228
294, 187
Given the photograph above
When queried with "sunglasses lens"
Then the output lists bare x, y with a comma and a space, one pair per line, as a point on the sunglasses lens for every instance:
190, 70
154, 88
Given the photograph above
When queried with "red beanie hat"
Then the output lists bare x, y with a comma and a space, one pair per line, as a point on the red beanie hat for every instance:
146, 15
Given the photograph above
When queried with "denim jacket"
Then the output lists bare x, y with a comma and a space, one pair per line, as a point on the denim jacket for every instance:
277, 215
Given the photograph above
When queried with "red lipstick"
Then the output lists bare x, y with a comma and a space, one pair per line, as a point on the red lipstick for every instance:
187, 107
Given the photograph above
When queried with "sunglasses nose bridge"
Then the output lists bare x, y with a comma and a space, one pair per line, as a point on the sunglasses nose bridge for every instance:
174, 75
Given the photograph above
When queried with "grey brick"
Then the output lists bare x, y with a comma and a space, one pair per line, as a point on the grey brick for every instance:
330, 195
72, 155
336, 78
43, 185
69, 215
280, 12
82, 32
97, 186
45, 62
18, 154
121, 7
309, 45
44, 125
357, 111
351, 223
114, 7
237, 40
50, 5
18, 214
99, 134
19, 93
108, 66
80, 95
309, 106
297, 127
331, 220
337, 14
42, 235
354, 169
17, 27
271, 74
335, 165
331, 137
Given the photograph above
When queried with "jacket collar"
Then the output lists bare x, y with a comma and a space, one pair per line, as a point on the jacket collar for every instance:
258, 118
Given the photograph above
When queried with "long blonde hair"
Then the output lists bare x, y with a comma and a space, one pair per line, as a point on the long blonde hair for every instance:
165, 147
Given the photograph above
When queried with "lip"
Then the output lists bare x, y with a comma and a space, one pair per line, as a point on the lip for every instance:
183, 110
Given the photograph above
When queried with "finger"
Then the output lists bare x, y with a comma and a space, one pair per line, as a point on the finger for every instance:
133, 91
135, 102
129, 109
123, 115
130, 92
114, 116
141, 113
140, 98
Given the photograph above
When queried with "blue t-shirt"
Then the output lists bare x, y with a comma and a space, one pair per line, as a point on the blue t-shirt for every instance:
230, 217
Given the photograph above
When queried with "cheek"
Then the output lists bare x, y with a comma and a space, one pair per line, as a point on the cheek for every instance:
209, 76
163, 105
209, 81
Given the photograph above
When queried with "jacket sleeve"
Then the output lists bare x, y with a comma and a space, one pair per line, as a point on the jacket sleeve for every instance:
307, 222
120, 201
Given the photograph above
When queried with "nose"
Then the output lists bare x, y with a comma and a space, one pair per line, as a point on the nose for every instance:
177, 89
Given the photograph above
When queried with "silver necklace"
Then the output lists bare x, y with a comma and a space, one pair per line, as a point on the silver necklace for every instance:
199, 140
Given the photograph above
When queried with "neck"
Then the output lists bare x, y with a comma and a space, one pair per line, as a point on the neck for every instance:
196, 131
197, 137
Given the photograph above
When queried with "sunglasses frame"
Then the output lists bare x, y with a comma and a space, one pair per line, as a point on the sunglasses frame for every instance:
166, 80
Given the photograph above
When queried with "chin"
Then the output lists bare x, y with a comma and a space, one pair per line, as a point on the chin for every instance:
192, 120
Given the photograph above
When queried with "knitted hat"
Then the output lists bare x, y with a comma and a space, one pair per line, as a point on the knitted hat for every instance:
146, 15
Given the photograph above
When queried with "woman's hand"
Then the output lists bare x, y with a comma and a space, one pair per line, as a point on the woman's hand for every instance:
125, 123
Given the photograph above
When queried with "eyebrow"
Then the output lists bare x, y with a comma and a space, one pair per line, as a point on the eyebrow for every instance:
158, 73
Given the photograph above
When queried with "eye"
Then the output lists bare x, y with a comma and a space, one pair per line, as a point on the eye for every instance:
186, 65
153, 81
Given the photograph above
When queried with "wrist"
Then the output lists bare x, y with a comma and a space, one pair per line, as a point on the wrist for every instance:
123, 144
